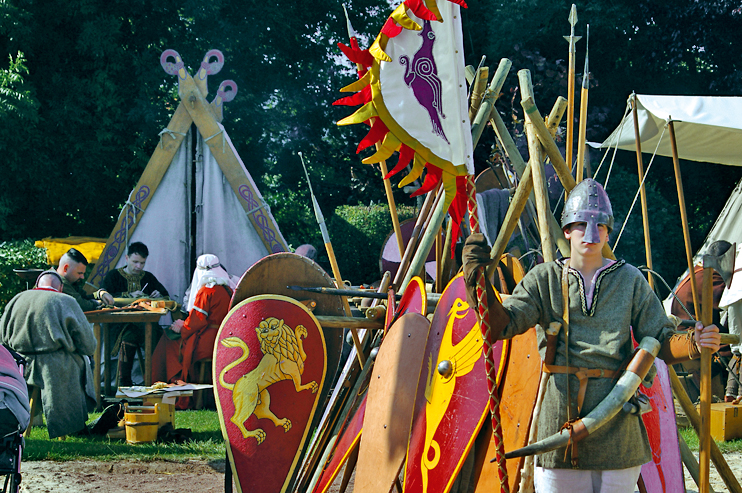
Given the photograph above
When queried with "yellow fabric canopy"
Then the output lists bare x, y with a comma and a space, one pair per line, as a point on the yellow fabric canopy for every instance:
56, 247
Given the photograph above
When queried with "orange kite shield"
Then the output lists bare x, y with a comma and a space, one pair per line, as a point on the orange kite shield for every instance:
452, 395
413, 91
269, 362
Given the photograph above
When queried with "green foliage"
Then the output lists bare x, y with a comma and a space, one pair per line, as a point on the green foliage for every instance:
17, 255
206, 443
358, 234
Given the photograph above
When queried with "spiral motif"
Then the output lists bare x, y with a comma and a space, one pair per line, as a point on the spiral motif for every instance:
212, 68
171, 68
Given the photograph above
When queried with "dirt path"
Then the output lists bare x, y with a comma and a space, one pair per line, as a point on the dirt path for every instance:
195, 476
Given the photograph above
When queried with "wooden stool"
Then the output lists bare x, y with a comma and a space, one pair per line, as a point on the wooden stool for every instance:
34, 400
203, 369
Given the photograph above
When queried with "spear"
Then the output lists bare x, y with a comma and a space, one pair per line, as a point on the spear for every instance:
583, 112
333, 261
572, 40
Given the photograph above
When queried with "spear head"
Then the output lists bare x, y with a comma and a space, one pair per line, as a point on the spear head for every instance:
572, 39
351, 31
586, 73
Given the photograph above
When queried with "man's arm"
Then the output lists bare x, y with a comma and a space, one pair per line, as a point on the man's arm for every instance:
86, 304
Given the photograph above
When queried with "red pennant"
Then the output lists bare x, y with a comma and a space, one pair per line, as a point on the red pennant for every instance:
419, 9
376, 134
361, 97
406, 153
432, 178
391, 28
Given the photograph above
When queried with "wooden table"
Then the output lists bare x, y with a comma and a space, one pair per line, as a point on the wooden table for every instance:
101, 321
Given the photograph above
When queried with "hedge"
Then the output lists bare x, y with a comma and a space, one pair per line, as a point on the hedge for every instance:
19, 254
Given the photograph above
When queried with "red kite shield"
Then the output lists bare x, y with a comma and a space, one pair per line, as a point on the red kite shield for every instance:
269, 365
452, 395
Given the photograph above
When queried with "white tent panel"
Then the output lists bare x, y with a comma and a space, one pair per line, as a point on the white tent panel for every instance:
728, 225
164, 227
223, 227
707, 128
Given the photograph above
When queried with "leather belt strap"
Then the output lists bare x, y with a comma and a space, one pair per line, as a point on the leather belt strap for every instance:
582, 375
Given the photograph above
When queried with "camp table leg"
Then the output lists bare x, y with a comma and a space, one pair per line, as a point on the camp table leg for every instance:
147, 372
96, 359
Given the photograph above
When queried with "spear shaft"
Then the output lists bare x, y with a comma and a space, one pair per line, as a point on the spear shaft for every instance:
333, 261
572, 40
581, 139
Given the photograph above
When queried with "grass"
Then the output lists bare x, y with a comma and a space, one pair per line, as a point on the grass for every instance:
206, 443
690, 437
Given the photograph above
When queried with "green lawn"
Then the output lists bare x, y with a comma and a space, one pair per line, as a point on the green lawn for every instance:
690, 437
206, 443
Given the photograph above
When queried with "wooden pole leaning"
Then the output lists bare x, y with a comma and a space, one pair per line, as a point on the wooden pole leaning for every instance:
434, 223
683, 215
552, 151
642, 189
392, 205
536, 161
488, 103
707, 294
695, 420
479, 88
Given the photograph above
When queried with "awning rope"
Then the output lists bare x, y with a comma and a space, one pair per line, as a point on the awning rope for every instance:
171, 133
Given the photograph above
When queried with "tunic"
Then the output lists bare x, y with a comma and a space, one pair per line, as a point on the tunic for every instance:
50, 330
600, 337
176, 358
86, 302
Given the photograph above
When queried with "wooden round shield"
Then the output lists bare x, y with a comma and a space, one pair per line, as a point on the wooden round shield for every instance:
269, 366
452, 395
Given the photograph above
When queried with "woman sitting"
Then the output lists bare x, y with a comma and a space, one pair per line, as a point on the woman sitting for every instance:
192, 339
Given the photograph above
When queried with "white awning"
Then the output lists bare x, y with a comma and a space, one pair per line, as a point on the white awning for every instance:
707, 128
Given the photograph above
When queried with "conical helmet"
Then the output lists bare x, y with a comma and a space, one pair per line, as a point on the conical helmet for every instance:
588, 203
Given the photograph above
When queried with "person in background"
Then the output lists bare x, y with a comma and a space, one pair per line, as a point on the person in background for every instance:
49, 329
72, 267
192, 339
307, 250
731, 304
131, 281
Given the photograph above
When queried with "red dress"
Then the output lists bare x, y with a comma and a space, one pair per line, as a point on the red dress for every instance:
175, 359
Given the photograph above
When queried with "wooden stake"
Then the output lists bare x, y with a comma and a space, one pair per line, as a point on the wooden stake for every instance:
695, 420
683, 216
642, 189
536, 162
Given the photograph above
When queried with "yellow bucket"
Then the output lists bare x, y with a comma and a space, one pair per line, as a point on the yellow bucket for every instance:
166, 412
142, 423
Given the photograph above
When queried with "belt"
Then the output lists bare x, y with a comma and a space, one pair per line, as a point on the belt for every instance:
582, 375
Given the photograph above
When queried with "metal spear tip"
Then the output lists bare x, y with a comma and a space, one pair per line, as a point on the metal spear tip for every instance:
573, 15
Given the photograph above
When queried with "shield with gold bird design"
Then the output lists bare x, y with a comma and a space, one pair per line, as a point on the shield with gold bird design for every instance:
451, 399
269, 366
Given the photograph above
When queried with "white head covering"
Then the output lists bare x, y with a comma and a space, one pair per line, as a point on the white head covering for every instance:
209, 272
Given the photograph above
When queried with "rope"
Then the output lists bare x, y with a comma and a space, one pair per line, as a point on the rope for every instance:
615, 149
171, 133
638, 191
489, 362
224, 140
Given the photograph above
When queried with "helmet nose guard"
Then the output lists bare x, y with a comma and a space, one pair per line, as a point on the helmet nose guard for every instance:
588, 203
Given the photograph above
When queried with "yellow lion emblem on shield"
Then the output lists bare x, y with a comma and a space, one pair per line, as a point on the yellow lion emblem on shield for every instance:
283, 359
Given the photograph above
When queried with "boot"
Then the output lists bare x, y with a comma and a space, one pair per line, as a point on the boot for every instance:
127, 353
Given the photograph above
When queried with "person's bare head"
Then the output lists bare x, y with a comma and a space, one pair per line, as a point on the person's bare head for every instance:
72, 265
49, 279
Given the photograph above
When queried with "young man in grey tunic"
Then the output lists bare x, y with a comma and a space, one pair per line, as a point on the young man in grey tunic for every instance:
607, 300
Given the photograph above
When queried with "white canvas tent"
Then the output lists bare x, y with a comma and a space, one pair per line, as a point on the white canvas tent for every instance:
195, 195
707, 129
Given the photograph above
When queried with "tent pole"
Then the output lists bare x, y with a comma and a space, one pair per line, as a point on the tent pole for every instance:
642, 190
683, 215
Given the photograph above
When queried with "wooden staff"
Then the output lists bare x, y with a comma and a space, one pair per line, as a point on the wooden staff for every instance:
683, 215
479, 87
581, 139
572, 40
488, 104
508, 145
536, 162
642, 190
695, 420
704, 437
333, 262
